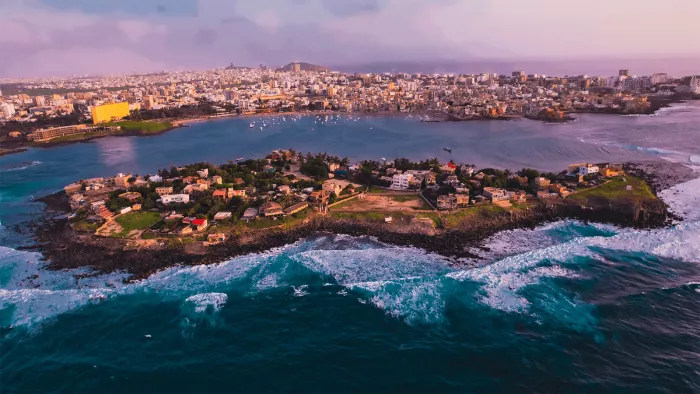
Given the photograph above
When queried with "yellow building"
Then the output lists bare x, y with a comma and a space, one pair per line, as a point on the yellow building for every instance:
109, 112
610, 172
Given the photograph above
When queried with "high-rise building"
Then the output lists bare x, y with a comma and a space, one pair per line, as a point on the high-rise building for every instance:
109, 112
7, 109
296, 67
40, 101
148, 102
659, 78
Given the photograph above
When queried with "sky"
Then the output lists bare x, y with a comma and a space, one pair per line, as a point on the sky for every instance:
76, 37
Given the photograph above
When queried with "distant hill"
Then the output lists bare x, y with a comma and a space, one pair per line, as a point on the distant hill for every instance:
304, 67
232, 67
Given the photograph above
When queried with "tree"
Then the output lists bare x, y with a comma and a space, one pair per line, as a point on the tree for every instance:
529, 173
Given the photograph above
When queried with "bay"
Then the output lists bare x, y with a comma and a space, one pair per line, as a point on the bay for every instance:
564, 307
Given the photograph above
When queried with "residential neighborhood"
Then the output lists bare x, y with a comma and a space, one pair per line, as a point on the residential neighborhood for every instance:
205, 202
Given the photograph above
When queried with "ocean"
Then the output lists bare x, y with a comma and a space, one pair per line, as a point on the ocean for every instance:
566, 307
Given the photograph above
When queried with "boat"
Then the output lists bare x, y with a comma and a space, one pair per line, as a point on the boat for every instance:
252, 125
446, 149
260, 128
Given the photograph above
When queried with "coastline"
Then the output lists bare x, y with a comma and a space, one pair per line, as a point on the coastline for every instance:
179, 123
65, 248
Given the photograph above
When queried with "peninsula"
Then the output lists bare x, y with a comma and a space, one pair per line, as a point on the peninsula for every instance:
205, 213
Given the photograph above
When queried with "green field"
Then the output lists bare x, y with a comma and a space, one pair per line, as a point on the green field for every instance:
344, 203
135, 221
413, 197
454, 219
141, 126
264, 223
74, 137
85, 226
434, 216
379, 216
617, 189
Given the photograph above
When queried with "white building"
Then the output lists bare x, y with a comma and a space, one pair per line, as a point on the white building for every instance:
332, 187
175, 199
7, 109
401, 181
203, 173
155, 178
587, 169
467, 170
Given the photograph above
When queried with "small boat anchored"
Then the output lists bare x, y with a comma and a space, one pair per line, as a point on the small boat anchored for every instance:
252, 125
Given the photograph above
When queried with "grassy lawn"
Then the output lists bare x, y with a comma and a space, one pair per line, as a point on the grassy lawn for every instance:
74, 137
86, 226
363, 215
345, 204
135, 221
126, 126
375, 189
617, 189
141, 126
454, 219
264, 223
432, 216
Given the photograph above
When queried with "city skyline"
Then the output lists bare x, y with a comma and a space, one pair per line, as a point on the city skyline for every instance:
53, 38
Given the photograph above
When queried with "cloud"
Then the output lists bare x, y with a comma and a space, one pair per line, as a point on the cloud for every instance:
128, 7
177, 34
355, 7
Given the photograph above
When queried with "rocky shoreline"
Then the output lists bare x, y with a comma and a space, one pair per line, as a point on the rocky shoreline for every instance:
65, 248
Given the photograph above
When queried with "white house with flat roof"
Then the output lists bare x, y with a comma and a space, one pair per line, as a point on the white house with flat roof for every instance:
175, 199
587, 169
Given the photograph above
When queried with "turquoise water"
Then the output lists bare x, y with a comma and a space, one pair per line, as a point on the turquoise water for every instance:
565, 307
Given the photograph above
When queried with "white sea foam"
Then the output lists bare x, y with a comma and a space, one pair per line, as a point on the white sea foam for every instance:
511, 242
406, 283
355, 266
684, 199
33, 294
415, 300
205, 301
301, 290
21, 166
503, 279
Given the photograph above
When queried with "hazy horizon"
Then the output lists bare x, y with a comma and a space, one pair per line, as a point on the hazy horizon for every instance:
40, 38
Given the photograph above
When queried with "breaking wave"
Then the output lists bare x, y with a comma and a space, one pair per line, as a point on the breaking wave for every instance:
207, 301
519, 271
20, 166
406, 283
